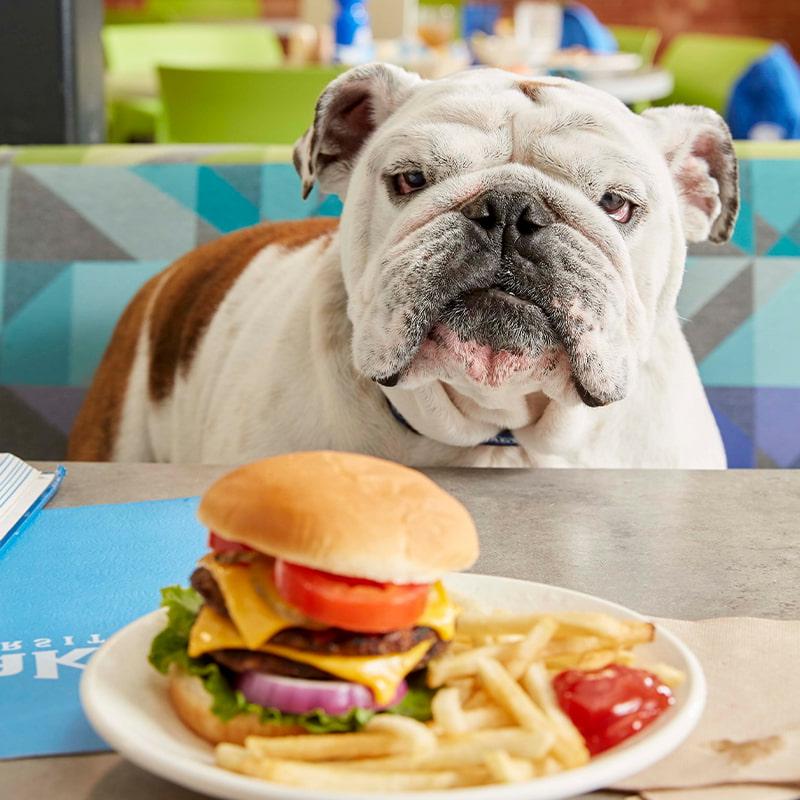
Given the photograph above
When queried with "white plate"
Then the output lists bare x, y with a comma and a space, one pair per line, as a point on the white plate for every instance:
126, 701
592, 65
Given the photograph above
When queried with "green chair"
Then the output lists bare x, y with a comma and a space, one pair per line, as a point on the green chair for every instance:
133, 53
139, 49
643, 42
705, 67
272, 106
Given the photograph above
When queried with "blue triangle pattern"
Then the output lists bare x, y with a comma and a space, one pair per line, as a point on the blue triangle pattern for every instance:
737, 403
739, 447
35, 344
243, 178
178, 181
221, 205
24, 280
744, 232
785, 246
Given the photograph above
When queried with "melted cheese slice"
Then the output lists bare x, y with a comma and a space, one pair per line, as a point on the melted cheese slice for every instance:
211, 631
246, 588
440, 613
382, 674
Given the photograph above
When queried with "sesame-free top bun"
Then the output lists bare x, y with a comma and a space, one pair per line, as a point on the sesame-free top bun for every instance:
349, 514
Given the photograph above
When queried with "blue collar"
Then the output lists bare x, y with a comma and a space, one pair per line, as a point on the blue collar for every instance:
502, 439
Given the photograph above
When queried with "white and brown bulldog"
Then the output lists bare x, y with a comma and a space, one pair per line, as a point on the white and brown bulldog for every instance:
500, 291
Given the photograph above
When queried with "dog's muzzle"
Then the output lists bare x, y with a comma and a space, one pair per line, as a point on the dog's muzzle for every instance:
507, 221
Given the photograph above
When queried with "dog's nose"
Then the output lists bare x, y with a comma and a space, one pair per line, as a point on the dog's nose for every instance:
507, 217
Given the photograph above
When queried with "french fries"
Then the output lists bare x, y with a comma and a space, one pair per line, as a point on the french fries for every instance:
669, 675
530, 647
448, 716
328, 747
417, 737
454, 752
461, 665
570, 623
487, 716
505, 769
496, 718
350, 778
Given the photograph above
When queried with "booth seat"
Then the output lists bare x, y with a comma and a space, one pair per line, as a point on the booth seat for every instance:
82, 228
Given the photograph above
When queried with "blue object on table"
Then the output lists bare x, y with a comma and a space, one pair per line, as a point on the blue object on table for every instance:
353, 33
75, 577
580, 27
479, 18
765, 101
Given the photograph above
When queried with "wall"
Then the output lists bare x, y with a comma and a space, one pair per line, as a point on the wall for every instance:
773, 19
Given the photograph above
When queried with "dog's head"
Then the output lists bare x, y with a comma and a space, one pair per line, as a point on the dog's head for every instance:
506, 232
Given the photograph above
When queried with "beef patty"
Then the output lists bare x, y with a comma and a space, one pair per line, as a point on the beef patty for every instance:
331, 641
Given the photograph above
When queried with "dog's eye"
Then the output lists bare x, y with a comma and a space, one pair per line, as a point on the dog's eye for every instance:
407, 182
617, 207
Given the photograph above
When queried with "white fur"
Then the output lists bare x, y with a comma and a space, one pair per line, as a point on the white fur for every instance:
281, 366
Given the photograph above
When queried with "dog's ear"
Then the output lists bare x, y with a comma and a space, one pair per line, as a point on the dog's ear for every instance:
347, 113
698, 147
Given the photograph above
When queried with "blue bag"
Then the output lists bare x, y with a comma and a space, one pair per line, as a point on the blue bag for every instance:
580, 27
765, 101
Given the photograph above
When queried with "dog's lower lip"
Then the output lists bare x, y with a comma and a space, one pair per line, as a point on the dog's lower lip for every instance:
389, 381
502, 294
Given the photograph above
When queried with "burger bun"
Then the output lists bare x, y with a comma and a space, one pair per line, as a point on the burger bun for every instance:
344, 513
192, 703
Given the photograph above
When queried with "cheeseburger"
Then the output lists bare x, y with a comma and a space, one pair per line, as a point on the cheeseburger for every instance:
320, 602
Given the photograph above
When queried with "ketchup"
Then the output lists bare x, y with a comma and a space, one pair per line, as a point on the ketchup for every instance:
610, 704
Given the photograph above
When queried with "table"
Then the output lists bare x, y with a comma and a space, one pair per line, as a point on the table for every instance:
687, 544
635, 87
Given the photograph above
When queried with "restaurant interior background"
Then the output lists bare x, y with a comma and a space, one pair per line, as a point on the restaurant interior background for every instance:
131, 132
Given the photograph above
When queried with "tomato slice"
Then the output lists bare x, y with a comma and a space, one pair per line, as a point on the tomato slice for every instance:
220, 545
350, 603
610, 704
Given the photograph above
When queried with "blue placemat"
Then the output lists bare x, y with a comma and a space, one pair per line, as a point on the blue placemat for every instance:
71, 579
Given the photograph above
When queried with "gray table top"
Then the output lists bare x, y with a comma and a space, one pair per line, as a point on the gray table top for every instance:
668, 543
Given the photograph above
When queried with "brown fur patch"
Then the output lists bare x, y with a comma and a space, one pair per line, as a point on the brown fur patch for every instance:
186, 296
533, 89
95, 430
199, 282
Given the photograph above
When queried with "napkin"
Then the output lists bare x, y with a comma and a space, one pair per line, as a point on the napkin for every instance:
747, 744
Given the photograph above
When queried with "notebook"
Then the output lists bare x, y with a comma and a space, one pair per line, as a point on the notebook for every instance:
24, 490
72, 578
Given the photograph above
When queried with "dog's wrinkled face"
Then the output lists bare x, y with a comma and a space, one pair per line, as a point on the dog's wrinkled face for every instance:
506, 233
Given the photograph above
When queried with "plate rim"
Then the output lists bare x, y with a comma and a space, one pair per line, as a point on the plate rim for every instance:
209, 779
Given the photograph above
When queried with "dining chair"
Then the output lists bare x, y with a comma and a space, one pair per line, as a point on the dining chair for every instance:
643, 42
270, 106
134, 52
138, 49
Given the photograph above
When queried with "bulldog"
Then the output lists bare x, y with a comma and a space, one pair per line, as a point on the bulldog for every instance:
500, 291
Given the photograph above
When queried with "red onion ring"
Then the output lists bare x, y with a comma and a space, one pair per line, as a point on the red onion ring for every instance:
299, 695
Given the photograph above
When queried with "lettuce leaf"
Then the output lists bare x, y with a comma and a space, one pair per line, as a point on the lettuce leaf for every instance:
170, 648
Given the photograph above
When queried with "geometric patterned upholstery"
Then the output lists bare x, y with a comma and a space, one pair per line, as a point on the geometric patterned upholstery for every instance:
742, 303
82, 228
